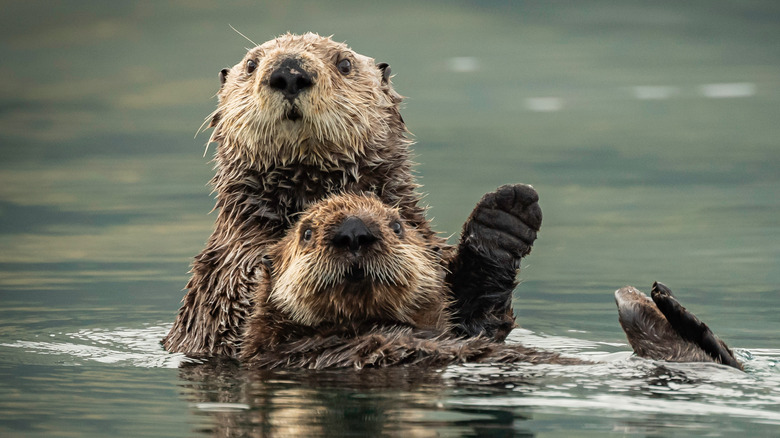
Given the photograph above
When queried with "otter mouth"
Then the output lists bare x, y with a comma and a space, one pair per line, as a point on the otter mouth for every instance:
293, 114
355, 273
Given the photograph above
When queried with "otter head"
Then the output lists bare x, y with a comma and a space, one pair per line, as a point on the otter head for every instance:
351, 259
304, 99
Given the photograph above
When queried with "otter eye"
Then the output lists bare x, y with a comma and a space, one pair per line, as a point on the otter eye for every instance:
396, 227
251, 66
344, 66
307, 234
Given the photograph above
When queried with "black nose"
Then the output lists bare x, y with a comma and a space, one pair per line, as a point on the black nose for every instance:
353, 234
290, 79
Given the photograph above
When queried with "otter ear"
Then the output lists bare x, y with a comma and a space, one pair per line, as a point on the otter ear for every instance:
222, 79
385, 67
387, 88
223, 76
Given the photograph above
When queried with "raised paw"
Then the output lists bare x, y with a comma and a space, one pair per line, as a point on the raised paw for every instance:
691, 328
504, 223
687, 325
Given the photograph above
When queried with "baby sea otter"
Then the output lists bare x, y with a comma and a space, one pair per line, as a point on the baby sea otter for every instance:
302, 117
354, 284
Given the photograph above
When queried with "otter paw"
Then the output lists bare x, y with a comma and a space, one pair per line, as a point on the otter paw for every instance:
691, 328
504, 223
684, 322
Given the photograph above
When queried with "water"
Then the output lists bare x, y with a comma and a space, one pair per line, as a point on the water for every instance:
650, 131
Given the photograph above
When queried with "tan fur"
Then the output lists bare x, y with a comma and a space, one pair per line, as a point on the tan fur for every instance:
402, 275
308, 291
340, 115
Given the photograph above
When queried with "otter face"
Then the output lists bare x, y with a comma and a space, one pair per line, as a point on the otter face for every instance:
351, 259
304, 99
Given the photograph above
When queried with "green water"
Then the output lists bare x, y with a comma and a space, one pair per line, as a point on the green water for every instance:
650, 130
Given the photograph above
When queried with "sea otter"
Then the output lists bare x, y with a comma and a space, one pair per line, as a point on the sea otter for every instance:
662, 329
354, 284
302, 117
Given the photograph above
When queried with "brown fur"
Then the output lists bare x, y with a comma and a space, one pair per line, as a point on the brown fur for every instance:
309, 289
648, 332
662, 329
394, 346
350, 138
309, 314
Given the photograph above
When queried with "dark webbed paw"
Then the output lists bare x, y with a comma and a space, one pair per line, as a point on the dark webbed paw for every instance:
504, 224
689, 327
500, 231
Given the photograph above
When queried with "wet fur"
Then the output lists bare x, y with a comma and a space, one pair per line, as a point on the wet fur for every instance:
499, 232
307, 290
350, 139
308, 314
355, 143
404, 278
394, 346
661, 329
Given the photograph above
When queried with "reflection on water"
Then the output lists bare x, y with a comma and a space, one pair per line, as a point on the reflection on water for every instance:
649, 129
618, 391
479, 398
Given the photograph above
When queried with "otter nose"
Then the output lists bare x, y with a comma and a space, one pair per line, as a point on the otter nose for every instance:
353, 234
290, 79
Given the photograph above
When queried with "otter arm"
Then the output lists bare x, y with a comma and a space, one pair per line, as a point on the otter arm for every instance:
498, 233
395, 346
690, 328
219, 293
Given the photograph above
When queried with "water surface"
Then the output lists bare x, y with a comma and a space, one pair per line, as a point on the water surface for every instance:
649, 130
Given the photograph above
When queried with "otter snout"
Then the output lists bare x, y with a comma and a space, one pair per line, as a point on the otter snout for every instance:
353, 234
290, 79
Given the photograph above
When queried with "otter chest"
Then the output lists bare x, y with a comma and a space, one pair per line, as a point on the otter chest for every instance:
292, 190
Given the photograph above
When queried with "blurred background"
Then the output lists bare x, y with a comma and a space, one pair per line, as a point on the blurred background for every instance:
650, 130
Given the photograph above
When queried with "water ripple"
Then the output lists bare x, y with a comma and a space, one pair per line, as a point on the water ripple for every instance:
139, 347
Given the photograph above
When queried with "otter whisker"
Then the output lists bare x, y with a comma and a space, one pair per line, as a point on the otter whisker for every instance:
247, 38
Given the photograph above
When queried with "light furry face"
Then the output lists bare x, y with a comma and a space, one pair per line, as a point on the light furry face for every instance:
316, 279
341, 108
